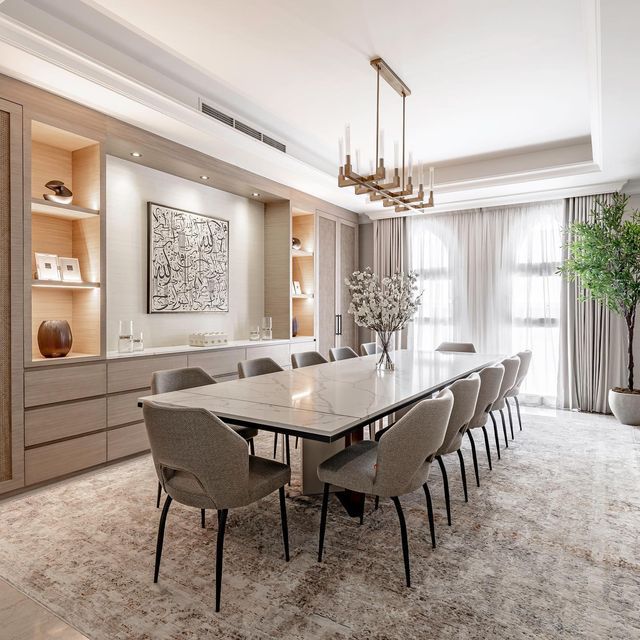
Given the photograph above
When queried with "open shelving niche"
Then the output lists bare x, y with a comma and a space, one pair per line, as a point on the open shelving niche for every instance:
71, 230
303, 270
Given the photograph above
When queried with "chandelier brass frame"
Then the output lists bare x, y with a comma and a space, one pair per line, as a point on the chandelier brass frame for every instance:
398, 189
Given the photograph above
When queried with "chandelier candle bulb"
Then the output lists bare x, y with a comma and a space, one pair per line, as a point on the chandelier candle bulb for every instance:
431, 177
347, 138
396, 155
381, 145
340, 151
357, 160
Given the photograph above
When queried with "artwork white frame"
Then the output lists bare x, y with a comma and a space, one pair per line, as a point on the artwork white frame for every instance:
69, 269
188, 261
297, 289
47, 266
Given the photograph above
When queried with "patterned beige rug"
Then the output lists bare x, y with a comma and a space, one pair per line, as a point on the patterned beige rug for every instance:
546, 548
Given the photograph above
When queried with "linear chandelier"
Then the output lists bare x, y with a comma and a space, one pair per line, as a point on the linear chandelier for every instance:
397, 189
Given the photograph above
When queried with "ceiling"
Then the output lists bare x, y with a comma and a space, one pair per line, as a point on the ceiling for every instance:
507, 97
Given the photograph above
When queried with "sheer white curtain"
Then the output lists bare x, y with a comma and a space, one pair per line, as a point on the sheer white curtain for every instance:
489, 278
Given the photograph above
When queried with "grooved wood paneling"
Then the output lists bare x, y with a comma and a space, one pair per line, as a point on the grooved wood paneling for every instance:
50, 235
135, 373
49, 163
326, 296
60, 458
127, 441
86, 176
277, 267
348, 264
85, 236
50, 304
64, 420
58, 384
219, 363
123, 408
5, 299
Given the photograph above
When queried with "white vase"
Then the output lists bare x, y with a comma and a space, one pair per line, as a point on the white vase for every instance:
625, 406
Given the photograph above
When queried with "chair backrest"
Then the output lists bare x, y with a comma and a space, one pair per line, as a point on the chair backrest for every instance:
368, 349
195, 442
465, 396
341, 353
490, 381
257, 367
459, 347
511, 366
523, 369
306, 359
412, 440
178, 379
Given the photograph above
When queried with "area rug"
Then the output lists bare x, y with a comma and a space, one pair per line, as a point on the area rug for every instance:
547, 547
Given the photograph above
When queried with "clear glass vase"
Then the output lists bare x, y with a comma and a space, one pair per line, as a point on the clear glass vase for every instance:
385, 339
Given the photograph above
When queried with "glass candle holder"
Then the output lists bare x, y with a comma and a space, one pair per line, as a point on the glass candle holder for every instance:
254, 333
138, 341
125, 336
266, 330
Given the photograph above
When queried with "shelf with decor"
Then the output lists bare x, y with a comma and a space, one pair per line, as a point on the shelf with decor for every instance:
303, 272
65, 246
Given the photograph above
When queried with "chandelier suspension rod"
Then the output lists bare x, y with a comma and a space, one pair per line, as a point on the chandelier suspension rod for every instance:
404, 100
377, 158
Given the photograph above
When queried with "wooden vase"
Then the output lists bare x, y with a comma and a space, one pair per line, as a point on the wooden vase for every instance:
54, 338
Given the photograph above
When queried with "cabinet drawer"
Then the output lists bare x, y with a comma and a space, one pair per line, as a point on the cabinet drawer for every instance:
301, 347
64, 420
218, 363
57, 384
60, 458
277, 352
135, 373
123, 407
126, 441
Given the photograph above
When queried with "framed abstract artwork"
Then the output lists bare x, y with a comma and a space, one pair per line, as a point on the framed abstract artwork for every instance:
188, 266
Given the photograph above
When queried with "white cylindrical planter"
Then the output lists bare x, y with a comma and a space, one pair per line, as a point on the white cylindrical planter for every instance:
625, 406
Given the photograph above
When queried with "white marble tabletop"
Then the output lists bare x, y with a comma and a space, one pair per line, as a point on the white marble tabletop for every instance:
326, 401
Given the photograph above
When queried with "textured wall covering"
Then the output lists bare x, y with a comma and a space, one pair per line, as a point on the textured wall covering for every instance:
5, 301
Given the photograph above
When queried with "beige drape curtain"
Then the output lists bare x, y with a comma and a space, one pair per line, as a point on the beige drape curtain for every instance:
591, 351
388, 246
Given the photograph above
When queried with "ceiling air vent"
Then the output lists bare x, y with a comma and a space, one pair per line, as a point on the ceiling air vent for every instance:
212, 112
274, 143
250, 131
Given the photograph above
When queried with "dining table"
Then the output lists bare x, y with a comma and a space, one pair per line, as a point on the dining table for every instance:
328, 405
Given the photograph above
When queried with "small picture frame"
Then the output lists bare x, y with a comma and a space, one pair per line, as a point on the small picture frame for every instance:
47, 266
69, 269
297, 290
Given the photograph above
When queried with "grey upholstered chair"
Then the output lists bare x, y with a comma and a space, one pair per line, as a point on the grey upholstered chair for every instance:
368, 349
341, 353
168, 380
261, 367
523, 370
457, 347
490, 381
396, 465
306, 359
465, 395
203, 463
511, 366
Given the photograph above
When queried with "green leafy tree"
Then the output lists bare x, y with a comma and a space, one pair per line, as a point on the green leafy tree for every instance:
604, 257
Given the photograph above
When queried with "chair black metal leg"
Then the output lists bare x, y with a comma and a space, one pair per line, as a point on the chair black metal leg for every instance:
495, 433
287, 451
510, 417
296, 445
504, 429
405, 542
518, 410
377, 501
160, 540
432, 528
222, 521
323, 519
202, 518
283, 520
486, 444
475, 457
159, 496
252, 447
445, 482
275, 445
463, 472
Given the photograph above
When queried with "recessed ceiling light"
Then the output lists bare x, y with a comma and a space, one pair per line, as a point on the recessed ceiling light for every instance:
255, 194
136, 154
204, 177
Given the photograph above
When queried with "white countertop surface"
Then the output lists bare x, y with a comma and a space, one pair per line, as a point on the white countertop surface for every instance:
326, 400
185, 348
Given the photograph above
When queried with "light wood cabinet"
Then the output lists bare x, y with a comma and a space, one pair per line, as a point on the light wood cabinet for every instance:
219, 363
126, 441
59, 384
123, 408
135, 372
277, 352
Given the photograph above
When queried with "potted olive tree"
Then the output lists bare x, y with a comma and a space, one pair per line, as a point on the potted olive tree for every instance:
604, 255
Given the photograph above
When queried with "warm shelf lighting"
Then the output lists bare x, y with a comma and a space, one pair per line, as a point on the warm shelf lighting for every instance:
255, 194
136, 154
204, 177
61, 284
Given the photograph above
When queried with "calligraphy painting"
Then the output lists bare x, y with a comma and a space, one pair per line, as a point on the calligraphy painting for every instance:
188, 261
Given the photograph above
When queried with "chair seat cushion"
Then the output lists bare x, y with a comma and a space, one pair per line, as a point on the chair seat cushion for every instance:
265, 476
352, 468
246, 432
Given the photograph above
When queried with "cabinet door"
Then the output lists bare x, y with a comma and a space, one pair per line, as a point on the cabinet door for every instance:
348, 263
327, 235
